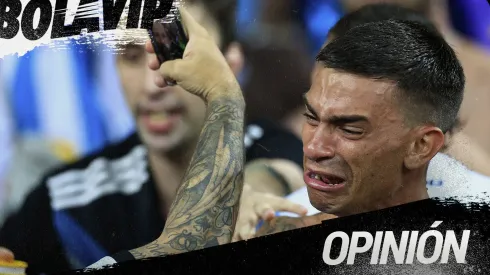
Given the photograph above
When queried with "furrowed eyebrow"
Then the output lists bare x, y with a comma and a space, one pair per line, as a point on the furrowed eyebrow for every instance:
308, 106
338, 120
347, 119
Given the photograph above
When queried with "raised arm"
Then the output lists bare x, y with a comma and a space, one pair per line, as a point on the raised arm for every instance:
205, 209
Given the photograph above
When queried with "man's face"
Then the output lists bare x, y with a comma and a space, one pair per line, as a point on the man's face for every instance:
354, 142
167, 118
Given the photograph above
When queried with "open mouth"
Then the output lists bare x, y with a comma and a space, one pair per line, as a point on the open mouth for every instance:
324, 182
161, 122
167, 111
327, 179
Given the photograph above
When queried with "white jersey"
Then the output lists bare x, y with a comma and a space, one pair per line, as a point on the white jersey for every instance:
446, 178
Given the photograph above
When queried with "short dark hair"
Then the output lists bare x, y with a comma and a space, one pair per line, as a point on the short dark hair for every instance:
224, 14
378, 12
417, 59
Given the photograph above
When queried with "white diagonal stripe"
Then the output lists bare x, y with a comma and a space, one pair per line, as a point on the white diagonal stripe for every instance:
102, 177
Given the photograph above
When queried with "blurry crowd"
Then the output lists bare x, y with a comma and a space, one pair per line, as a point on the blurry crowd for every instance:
58, 106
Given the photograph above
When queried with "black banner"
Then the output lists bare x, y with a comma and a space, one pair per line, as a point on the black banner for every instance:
440, 228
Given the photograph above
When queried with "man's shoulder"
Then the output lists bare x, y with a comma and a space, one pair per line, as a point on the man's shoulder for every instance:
117, 168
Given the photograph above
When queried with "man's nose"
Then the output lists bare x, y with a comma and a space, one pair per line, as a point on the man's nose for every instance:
321, 145
151, 80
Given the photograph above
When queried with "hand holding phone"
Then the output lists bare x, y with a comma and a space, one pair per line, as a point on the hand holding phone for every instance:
203, 72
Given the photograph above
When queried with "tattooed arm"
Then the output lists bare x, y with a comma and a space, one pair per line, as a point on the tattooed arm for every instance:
205, 209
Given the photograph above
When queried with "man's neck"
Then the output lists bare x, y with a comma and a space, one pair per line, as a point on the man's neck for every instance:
412, 191
412, 188
168, 169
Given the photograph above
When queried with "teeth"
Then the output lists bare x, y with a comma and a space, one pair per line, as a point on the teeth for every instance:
318, 177
158, 117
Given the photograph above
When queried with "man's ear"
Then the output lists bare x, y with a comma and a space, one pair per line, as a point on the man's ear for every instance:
235, 57
427, 142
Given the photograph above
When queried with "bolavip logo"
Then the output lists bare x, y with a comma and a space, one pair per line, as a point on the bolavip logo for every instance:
15, 18
411, 248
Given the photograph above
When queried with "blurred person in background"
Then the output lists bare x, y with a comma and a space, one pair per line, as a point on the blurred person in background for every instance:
275, 79
119, 197
277, 63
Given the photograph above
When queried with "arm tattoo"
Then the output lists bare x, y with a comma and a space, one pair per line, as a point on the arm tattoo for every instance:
205, 209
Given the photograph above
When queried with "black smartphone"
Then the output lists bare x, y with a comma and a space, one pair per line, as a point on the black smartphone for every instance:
168, 37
